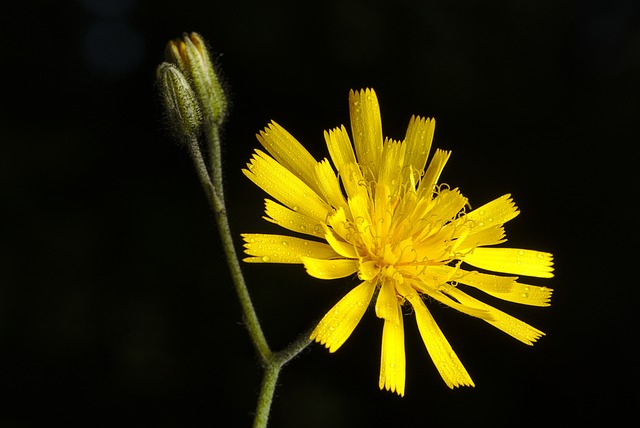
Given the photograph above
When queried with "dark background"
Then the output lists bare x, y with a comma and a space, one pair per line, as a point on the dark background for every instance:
115, 304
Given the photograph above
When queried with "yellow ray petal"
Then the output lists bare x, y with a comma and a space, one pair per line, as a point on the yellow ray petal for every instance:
338, 324
392, 356
292, 220
447, 205
391, 165
441, 297
488, 236
506, 288
387, 302
340, 225
445, 359
340, 148
289, 152
345, 249
432, 174
486, 282
329, 185
496, 212
366, 127
382, 212
353, 181
330, 269
510, 325
418, 140
266, 248
527, 295
512, 260
285, 186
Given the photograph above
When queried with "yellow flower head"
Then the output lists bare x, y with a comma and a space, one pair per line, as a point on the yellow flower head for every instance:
384, 217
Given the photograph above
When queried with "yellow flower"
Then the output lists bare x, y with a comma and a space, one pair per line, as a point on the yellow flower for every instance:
384, 217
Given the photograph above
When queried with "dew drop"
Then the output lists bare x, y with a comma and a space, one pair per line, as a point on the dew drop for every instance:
285, 244
521, 253
295, 208
525, 295
266, 259
540, 256
481, 223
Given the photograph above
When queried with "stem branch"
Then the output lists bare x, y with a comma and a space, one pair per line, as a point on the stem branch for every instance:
272, 362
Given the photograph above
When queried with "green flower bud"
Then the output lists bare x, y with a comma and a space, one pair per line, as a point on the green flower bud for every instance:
180, 103
191, 56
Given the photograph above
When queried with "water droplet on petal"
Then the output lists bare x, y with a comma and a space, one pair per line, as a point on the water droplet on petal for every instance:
266, 259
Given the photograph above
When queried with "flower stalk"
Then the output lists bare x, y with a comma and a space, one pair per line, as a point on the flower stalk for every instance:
195, 107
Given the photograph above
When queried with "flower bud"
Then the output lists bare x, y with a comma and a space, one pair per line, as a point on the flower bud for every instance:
180, 103
191, 56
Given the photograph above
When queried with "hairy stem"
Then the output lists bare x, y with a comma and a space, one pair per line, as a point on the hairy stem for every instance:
272, 362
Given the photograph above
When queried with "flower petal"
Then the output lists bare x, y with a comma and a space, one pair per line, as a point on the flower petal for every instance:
345, 249
445, 359
496, 212
329, 185
418, 141
387, 302
510, 325
391, 164
366, 128
292, 220
431, 175
512, 260
266, 248
506, 288
288, 152
340, 148
338, 324
330, 269
475, 238
285, 186
392, 356
448, 204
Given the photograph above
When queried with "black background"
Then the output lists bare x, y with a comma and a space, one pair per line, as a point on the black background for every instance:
115, 304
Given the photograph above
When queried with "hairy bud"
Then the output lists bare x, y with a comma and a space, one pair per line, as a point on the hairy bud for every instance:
180, 103
191, 56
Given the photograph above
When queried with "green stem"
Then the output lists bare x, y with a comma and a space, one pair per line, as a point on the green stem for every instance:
271, 372
265, 398
217, 204
213, 146
272, 362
